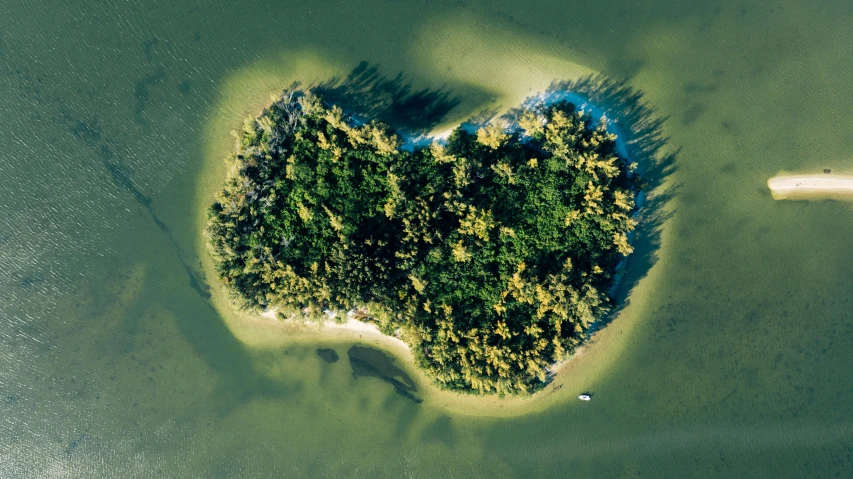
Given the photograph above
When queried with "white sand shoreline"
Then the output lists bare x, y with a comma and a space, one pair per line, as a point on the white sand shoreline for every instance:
810, 186
351, 325
355, 326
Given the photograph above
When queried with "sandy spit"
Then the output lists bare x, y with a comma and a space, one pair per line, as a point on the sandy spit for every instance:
810, 186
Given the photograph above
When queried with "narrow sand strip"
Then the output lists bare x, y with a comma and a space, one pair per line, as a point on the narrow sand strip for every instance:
351, 324
810, 186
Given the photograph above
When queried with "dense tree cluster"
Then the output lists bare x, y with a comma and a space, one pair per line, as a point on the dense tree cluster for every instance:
489, 255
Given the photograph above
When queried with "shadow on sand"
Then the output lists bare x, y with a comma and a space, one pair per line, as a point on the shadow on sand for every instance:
367, 92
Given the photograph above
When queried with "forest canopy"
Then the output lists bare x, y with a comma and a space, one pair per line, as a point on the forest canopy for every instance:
490, 253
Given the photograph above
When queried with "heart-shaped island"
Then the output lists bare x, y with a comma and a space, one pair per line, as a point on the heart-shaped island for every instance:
489, 253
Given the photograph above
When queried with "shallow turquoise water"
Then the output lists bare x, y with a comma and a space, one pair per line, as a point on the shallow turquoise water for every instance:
734, 353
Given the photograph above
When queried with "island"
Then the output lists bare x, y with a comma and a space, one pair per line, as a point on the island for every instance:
489, 252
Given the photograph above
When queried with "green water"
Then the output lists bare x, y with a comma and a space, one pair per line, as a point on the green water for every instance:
731, 359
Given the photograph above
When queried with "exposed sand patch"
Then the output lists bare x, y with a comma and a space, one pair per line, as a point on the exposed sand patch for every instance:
817, 186
351, 325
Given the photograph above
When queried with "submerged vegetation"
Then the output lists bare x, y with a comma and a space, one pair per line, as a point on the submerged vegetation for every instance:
489, 255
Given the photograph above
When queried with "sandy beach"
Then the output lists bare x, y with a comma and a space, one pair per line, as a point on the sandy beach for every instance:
810, 186
351, 325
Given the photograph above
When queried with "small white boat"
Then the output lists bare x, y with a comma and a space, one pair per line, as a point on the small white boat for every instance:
584, 397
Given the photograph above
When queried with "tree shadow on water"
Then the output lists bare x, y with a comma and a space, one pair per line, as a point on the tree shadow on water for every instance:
640, 127
367, 92
370, 362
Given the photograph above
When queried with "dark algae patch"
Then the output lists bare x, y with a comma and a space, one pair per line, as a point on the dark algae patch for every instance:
490, 254
328, 355
370, 362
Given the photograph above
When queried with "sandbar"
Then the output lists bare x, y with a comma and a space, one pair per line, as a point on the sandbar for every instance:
814, 186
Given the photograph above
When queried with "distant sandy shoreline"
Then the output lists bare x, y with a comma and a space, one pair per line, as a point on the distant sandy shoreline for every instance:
808, 186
